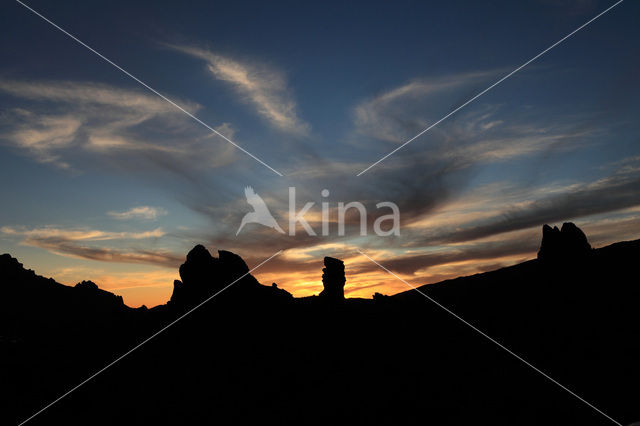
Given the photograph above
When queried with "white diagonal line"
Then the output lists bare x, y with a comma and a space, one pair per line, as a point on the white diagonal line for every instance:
492, 86
500, 345
145, 341
151, 89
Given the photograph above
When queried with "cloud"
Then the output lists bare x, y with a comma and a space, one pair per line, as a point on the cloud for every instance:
46, 135
481, 134
549, 204
78, 234
487, 250
88, 94
226, 129
73, 243
160, 258
140, 212
401, 112
73, 124
261, 86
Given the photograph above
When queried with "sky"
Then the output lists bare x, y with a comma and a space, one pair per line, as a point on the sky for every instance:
103, 179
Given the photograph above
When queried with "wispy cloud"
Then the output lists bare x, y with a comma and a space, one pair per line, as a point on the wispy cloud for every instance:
260, 85
88, 94
485, 133
401, 112
66, 123
506, 209
140, 212
74, 242
46, 135
79, 234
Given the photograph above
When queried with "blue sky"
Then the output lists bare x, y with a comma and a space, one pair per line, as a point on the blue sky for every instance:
104, 180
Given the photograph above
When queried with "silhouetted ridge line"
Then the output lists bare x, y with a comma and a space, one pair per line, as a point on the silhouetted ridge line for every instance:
257, 355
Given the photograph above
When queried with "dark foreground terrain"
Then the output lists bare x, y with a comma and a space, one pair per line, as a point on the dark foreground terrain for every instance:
256, 355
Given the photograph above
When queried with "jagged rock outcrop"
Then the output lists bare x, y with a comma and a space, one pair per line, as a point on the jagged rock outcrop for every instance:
50, 298
333, 280
12, 269
567, 243
203, 275
87, 286
91, 291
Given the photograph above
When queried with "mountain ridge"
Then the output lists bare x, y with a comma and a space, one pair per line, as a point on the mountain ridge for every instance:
257, 354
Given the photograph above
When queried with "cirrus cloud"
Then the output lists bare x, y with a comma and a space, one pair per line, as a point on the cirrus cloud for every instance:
263, 87
84, 243
140, 212
67, 124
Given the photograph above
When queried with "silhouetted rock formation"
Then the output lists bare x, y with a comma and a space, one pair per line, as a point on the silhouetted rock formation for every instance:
203, 275
333, 280
45, 295
12, 269
91, 290
89, 286
568, 243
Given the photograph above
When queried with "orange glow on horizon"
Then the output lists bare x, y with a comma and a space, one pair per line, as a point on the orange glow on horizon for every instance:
152, 288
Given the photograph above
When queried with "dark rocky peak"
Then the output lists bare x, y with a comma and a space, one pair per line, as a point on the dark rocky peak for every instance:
11, 268
25, 293
91, 290
203, 275
87, 286
197, 269
567, 243
8, 262
333, 279
200, 255
575, 239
